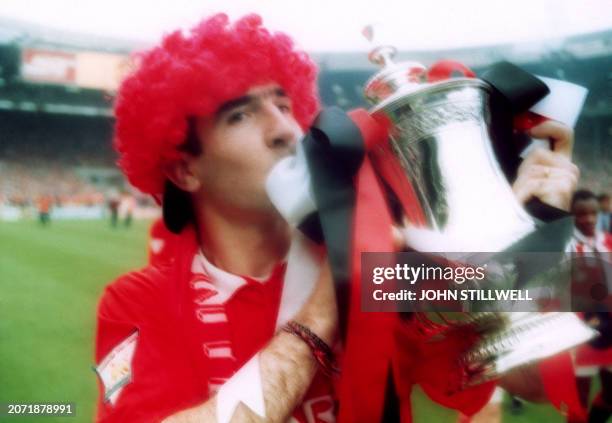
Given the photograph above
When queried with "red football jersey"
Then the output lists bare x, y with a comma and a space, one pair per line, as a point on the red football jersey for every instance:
164, 343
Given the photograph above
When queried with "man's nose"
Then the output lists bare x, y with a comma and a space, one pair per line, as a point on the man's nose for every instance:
281, 131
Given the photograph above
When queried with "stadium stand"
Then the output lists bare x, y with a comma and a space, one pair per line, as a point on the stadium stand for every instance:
56, 91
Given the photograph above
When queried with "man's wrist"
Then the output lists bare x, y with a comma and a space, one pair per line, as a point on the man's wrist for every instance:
321, 327
320, 350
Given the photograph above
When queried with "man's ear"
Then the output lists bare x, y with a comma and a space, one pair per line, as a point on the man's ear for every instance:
180, 173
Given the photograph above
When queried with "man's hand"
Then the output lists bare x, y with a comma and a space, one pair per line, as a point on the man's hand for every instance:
549, 175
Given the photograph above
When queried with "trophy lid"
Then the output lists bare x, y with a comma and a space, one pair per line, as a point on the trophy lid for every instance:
395, 78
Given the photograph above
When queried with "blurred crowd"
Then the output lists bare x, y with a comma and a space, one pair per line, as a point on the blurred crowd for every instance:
596, 177
46, 176
23, 185
40, 186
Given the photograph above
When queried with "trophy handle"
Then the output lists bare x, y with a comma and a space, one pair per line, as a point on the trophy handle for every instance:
382, 55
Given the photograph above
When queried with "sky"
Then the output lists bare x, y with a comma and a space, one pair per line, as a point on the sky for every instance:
331, 26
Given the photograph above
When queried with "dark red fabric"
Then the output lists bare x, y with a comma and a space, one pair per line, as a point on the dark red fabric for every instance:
170, 371
369, 343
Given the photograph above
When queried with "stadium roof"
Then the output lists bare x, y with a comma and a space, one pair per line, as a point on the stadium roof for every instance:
14, 31
599, 44
332, 26
578, 47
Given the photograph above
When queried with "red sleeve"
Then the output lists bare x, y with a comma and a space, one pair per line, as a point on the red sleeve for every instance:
138, 303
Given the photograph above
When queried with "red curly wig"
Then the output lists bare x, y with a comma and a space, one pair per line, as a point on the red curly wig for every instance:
192, 75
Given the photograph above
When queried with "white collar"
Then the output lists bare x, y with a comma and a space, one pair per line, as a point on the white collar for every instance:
303, 268
225, 283
596, 241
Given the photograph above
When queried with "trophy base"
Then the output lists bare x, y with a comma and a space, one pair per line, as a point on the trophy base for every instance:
511, 340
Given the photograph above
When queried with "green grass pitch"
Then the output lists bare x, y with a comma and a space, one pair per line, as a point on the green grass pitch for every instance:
50, 282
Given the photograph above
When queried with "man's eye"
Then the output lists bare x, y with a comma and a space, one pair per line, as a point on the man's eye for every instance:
236, 117
285, 108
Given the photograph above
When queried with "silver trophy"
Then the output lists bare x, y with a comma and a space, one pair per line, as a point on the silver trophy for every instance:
440, 135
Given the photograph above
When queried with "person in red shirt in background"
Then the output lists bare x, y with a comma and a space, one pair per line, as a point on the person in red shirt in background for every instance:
44, 209
591, 245
200, 123
588, 237
127, 205
113, 207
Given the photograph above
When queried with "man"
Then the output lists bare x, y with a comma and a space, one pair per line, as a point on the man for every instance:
201, 122
127, 204
588, 237
170, 336
113, 208
592, 246
44, 209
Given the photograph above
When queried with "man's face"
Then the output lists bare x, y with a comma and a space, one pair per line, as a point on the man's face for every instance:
240, 145
604, 205
585, 213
